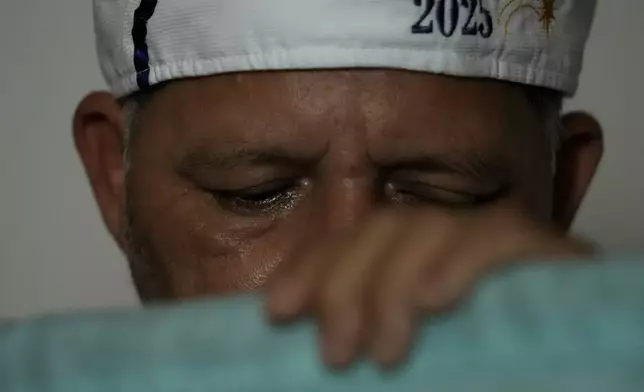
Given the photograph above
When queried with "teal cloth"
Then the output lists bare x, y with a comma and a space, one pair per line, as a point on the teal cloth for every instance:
566, 328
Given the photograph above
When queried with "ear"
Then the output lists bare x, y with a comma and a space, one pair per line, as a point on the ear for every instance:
578, 157
98, 129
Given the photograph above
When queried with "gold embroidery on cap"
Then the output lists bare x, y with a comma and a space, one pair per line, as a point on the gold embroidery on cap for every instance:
545, 10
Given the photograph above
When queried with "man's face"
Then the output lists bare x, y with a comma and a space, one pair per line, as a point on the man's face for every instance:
230, 175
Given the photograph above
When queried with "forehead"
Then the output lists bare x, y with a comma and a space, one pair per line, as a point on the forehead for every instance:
387, 110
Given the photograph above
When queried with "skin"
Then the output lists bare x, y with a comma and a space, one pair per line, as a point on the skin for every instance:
366, 199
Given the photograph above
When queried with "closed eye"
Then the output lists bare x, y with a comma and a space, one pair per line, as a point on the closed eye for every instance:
418, 194
266, 198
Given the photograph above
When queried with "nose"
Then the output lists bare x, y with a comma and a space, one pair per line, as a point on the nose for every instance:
345, 204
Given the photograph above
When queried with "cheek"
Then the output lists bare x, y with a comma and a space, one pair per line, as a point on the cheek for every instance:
536, 192
205, 251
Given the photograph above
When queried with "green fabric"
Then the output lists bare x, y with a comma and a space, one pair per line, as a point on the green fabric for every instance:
566, 328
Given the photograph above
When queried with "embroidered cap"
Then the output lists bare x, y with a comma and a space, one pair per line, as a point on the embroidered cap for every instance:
535, 42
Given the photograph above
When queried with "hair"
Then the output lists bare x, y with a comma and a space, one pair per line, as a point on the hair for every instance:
132, 106
546, 103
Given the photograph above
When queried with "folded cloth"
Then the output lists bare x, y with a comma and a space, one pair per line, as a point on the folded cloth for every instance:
574, 327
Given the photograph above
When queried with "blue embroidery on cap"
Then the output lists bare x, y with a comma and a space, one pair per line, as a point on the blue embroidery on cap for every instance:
476, 20
142, 15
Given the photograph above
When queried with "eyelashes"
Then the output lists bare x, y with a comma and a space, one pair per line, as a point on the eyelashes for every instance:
417, 194
267, 198
267, 202
279, 196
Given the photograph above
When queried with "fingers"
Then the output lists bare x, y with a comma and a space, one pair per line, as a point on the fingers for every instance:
342, 299
290, 291
394, 307
371, 290
513, 241
331, 281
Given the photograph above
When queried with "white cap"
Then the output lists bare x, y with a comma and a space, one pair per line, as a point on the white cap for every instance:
535, 42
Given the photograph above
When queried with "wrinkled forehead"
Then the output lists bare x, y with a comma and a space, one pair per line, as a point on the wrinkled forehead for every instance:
385, 111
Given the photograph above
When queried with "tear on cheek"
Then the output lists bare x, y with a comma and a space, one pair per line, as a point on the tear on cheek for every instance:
259, 271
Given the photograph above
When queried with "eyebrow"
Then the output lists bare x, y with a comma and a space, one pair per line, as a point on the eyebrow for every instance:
201, 159
467, 165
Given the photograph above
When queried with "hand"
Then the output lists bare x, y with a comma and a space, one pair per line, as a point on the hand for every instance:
369, 291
